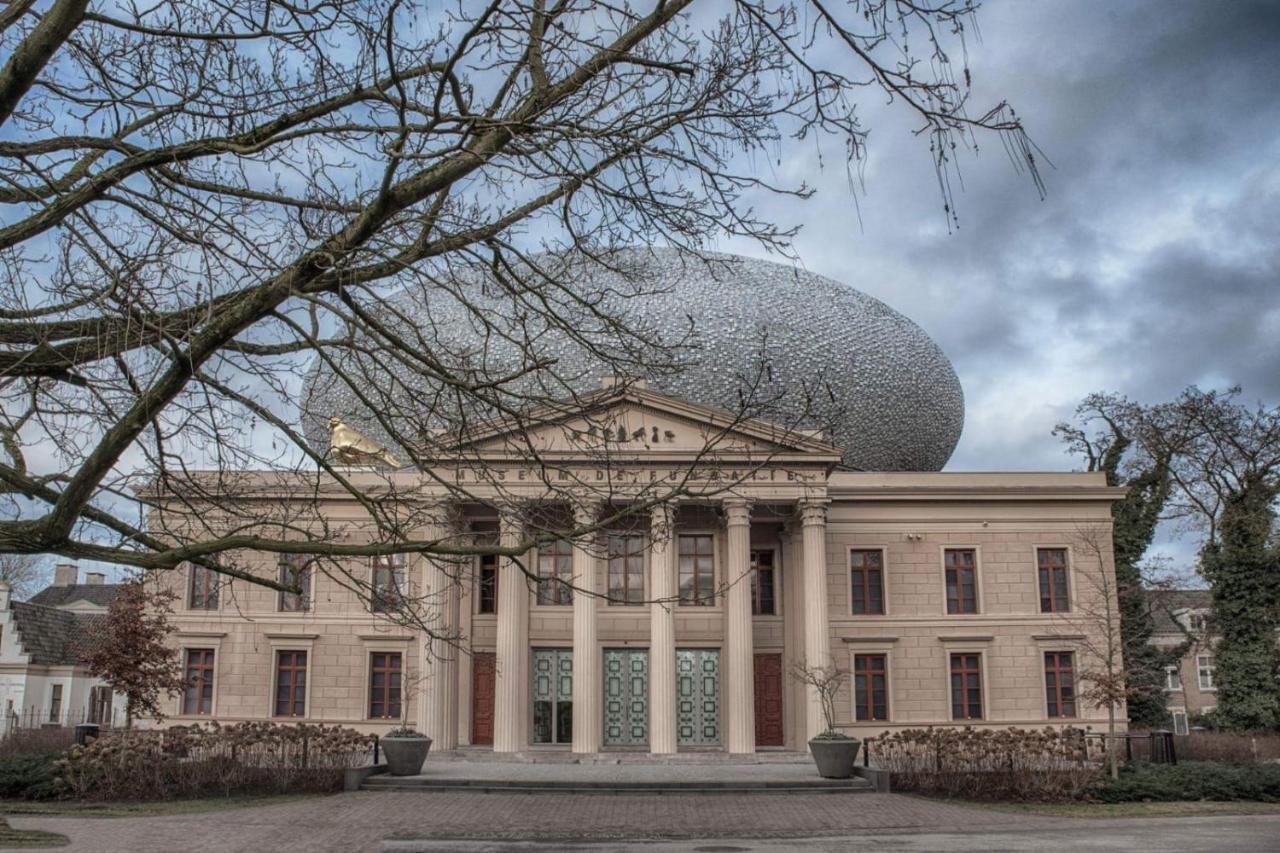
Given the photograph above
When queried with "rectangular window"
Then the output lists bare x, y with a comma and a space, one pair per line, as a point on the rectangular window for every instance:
870, 687
762, 584
1204, 671
962, 580
555, 573
697, 569
966, 686
55, 704
626, 569
202, 588
197, 698
866, 573
295, 570
388, 583
384, 686
100, 704
291, 684
488, 602
1179, 722
1060, 684
1172, 678
1052, 567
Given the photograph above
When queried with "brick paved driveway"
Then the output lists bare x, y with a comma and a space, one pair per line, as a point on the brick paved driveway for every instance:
344, 823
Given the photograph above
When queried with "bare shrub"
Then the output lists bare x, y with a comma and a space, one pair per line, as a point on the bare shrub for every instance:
36, 741
1227, 748
988, 764
178, 763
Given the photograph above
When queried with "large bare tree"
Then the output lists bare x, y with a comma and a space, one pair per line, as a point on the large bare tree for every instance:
202, 198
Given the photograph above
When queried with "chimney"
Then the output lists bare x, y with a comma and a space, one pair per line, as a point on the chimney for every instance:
94, 578
6, 593
64, 574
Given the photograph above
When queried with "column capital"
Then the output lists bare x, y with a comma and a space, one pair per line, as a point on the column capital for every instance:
663, 517
813, 511
586, 510
737, 510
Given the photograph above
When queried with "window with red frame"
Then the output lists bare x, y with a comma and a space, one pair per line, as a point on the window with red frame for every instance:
626, 569
697, 569
197, 698
1060, 684
1052, 567
962, 580
555, 573
763, 601
870, 687
966, 686
488, 598
384, 686
295, 571
291, 684
866, 573
202, 588
388, 583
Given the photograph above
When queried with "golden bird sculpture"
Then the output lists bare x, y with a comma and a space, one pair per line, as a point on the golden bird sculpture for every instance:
351, 447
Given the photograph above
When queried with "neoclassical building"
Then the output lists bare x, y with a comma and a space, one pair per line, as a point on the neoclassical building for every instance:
949, 598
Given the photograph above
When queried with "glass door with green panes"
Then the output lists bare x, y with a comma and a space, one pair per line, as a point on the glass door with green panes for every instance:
552, 696
626, 697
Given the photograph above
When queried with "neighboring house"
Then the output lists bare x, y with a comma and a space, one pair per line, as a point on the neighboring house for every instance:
43, 643
1182, 616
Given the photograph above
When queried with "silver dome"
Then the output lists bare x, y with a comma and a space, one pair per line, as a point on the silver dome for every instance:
873, 381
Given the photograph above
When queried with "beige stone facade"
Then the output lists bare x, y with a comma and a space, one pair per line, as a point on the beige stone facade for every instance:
663, 675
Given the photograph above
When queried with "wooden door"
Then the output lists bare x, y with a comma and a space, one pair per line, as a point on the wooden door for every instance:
769, 700
484, 668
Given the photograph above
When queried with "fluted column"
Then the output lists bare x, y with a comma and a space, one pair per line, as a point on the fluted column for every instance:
440, 584
662, 632
587, 687
510, 708
817, 638
739, 647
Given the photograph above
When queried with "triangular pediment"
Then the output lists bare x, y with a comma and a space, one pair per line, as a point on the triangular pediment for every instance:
639, 422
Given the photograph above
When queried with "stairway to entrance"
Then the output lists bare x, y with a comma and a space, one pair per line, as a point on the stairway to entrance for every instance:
683, 773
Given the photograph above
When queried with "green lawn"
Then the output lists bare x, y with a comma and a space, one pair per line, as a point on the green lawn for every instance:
1106, 810
73, 808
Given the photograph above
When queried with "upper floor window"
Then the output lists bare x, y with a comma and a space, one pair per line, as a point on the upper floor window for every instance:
763, 601
1060, 684
295, 571
870, 687
1204, 671
384, 686
1196, 621
626, 569
291, 684
488, 598
388, 583
962, 580
866, 573
197, 697
966, 686
1052, 568
555, 573
697, 569
1172, 678
202, 587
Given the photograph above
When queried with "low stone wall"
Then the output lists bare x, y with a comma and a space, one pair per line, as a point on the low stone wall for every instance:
355, 776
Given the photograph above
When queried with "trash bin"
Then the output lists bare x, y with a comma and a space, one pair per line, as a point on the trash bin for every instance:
84, 731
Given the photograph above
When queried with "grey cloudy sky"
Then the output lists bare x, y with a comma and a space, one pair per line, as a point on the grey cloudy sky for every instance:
1154, 261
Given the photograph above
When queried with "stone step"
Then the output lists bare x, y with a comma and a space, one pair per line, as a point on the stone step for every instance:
480, 756
566, 786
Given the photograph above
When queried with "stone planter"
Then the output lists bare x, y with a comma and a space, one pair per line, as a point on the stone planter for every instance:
834, 756
405, 755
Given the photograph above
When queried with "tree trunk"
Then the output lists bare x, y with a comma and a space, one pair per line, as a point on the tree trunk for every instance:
1113, 757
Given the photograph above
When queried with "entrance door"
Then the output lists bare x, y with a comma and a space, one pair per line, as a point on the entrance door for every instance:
698, 697
769, 700
484, 669
626, 697
552, 696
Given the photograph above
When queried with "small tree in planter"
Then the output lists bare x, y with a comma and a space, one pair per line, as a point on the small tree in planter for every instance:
404, 746
833, 751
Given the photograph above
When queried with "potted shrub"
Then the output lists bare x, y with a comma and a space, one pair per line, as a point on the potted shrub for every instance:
834, 752
405, 749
